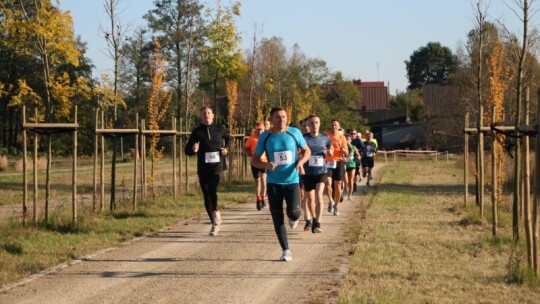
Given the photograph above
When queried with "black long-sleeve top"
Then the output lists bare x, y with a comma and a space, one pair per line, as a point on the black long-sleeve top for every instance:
211, 138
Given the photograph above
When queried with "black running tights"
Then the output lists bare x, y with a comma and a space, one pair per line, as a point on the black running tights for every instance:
276, 193
209, 186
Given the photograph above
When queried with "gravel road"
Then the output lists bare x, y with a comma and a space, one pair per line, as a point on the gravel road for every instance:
183, 264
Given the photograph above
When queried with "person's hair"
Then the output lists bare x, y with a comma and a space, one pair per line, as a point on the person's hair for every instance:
207, 108
276, 109
259, 123
311, 116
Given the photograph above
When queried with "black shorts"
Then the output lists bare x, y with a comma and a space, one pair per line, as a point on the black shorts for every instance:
255, 171
350, 169
368, 162
311, 181
338, 172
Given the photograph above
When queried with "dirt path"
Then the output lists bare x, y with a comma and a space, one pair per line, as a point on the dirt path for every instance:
183, 264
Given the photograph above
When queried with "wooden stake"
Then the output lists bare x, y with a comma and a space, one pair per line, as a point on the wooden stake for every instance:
74, 173
25, 171
494, 198
466, 160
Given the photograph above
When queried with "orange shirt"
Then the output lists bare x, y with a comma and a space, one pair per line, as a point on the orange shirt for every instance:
338, 141
251, 143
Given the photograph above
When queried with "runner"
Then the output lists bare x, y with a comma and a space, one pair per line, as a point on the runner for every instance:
320, 146
281, 145
210, 143
258, 174
350, 166
368, 157
359, 145
304, 128
335, 167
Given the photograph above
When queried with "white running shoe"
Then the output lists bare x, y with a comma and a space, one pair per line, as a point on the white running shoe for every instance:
214, 231
217, 218
294, 224
336, 211
286, 256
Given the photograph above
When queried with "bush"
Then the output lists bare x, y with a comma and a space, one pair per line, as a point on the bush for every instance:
41, 164
3, 163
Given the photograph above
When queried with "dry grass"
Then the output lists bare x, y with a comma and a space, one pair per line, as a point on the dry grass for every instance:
413, 248
41, 164
3, 163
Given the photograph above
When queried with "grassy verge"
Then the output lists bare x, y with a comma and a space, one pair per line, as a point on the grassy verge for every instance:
417, 244
27, 250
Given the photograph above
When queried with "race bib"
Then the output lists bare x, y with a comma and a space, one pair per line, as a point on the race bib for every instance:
331, 165
283, 157
211, 157
316, 161
369, 152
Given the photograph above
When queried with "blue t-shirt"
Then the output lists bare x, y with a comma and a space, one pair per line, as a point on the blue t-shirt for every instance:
281, 148
316, 164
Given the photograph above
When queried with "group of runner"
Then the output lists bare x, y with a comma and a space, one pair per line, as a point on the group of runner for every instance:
288, 165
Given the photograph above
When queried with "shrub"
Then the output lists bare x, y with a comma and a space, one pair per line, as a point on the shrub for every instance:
3, 163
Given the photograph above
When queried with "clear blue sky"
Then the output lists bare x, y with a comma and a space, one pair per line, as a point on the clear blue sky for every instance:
364, 39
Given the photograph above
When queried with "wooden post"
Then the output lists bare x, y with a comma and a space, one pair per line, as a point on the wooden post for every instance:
96, 143
35, 169
25, 171
74, 173
494, 198
180, 153
527, 183
536, 204
135, 159
481, 161
143, 159
175, 192
102, 168
466, 160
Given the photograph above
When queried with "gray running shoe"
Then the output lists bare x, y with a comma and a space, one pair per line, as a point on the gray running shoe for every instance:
336, 211
286, 256
330, 207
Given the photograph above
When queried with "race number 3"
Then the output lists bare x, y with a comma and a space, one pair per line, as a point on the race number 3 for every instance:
316, 161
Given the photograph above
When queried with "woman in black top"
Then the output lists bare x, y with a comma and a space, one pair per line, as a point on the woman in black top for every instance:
211, 144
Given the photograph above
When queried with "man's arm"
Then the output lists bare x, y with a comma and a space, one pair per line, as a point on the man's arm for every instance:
306, 153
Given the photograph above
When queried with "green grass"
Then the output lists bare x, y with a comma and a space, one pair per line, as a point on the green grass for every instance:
30, 249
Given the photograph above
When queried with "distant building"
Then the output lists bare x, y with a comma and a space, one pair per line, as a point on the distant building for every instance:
374, 95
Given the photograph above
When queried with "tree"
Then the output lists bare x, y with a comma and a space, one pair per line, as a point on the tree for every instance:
221, 54
158, 106
38, 29
432, 63
179, 26
342, 98
412, 100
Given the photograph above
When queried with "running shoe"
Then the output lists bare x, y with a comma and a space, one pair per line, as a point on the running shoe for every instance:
317, 228
349, 197
264, 204
286, 256
214, 231
336, 211
294, 224
259, 204
341, 199
355, 187
308, 225
330, 207
367, 184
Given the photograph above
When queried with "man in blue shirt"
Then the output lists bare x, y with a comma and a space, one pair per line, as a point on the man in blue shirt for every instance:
281, 144
315, 169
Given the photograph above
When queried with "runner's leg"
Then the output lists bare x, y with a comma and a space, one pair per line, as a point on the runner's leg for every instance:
275, 199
